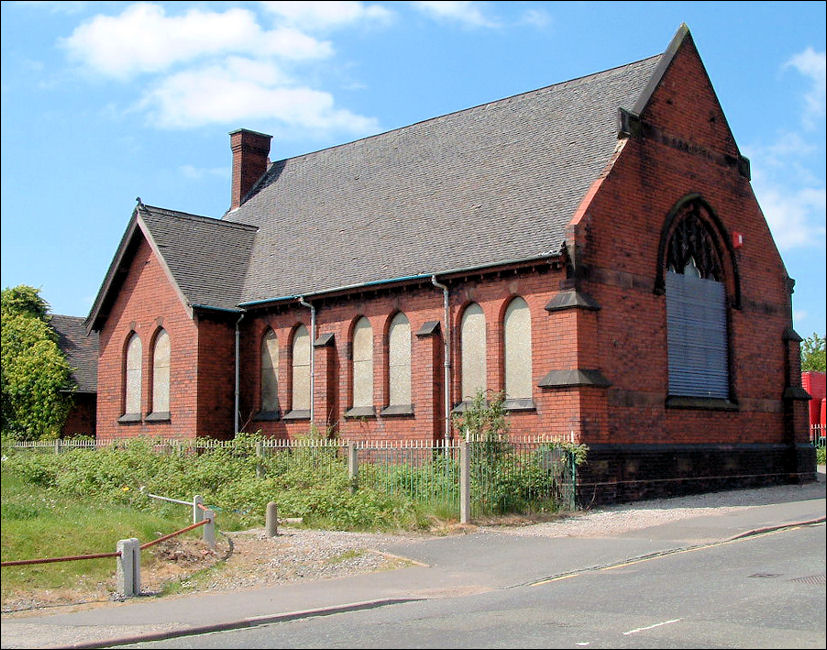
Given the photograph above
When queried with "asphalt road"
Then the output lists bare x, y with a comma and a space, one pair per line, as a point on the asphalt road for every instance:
764, 591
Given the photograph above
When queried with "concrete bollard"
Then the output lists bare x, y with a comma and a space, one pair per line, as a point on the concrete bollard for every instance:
353, 466
209, 528
271, 521
129, 567
464, 483
197, 513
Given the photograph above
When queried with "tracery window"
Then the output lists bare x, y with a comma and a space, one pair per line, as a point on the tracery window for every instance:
696, 308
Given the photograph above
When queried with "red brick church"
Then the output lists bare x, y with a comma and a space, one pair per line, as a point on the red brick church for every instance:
592, 248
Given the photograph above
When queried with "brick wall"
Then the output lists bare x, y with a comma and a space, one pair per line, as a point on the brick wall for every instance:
81, 418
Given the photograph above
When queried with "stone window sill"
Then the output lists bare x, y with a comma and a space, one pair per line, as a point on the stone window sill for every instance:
130, 418
361, 412
701, 403
397, 410
160, 416
300, 414
526, 404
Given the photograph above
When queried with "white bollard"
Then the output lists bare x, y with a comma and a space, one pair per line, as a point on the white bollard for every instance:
129, 567
209, 528
197, 513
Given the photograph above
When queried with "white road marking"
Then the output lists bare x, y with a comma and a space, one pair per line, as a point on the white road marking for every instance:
649, 627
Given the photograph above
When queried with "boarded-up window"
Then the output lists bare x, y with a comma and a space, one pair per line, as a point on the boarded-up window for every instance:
160, 373
472, 335
363, 363
301, 369
697, 336
132, 383
517, 339
399, 361
270, 372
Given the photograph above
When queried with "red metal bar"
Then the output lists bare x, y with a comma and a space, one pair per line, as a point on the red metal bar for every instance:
49, 560
202, 506
203, 522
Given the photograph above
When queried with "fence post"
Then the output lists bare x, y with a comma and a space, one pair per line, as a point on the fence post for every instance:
353, 466
464, 483
259, 460
271, 520
57, 445
209, 528
197, 513
573, 504
129, 567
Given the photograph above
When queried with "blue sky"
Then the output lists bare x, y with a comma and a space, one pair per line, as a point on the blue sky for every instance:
106, 101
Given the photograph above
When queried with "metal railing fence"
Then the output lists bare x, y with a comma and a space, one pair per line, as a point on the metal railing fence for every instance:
817, 435
516, 475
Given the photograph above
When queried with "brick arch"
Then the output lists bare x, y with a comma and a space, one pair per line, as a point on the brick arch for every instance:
695, 205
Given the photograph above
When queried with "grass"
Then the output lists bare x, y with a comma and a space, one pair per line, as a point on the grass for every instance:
39, 523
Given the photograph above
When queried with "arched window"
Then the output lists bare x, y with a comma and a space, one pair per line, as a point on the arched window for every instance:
399, 361
362, 364
301, 369
696, 308
269, 372
160, 374
517, 343
472, 350
132, 378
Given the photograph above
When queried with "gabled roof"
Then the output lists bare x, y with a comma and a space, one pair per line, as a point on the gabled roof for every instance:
81, 351
205, 259
490, 185
494, 183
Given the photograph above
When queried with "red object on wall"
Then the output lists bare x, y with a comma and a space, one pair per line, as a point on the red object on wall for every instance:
815, 383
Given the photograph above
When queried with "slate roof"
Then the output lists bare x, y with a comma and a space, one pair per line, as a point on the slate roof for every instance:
81, 350
489, 185
207, 257
494, 183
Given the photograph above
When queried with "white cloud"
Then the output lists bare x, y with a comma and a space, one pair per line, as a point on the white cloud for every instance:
326, 14
144, 39
536, 18
795, 216
200, 173
465, 13
240, 91
811, 64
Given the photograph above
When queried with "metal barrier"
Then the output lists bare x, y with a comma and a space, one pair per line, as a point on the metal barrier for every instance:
128, 553
817, 435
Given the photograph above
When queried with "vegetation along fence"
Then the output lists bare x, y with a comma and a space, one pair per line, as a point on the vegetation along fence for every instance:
473, 478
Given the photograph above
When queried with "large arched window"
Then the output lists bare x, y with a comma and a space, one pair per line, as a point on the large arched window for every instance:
696, 307
399, 361
517, 343
472, 351
132, 376
362, 364
301, 370
160, 374
269, 372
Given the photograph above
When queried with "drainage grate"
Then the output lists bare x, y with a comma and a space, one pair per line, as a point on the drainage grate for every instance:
810, 580
765, 575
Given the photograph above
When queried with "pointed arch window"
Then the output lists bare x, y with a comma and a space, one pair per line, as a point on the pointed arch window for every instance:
363, 365
517, 344
399, 361
269, 373
696, 308
132, 378
160, 377
472, 351
301, 372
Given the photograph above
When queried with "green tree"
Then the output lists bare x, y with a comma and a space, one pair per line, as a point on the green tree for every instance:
33, 370
812, 353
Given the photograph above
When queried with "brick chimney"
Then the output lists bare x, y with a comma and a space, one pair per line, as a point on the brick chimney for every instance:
250, 157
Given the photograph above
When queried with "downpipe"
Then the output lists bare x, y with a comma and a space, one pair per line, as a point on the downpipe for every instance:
237, 373
446, 341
